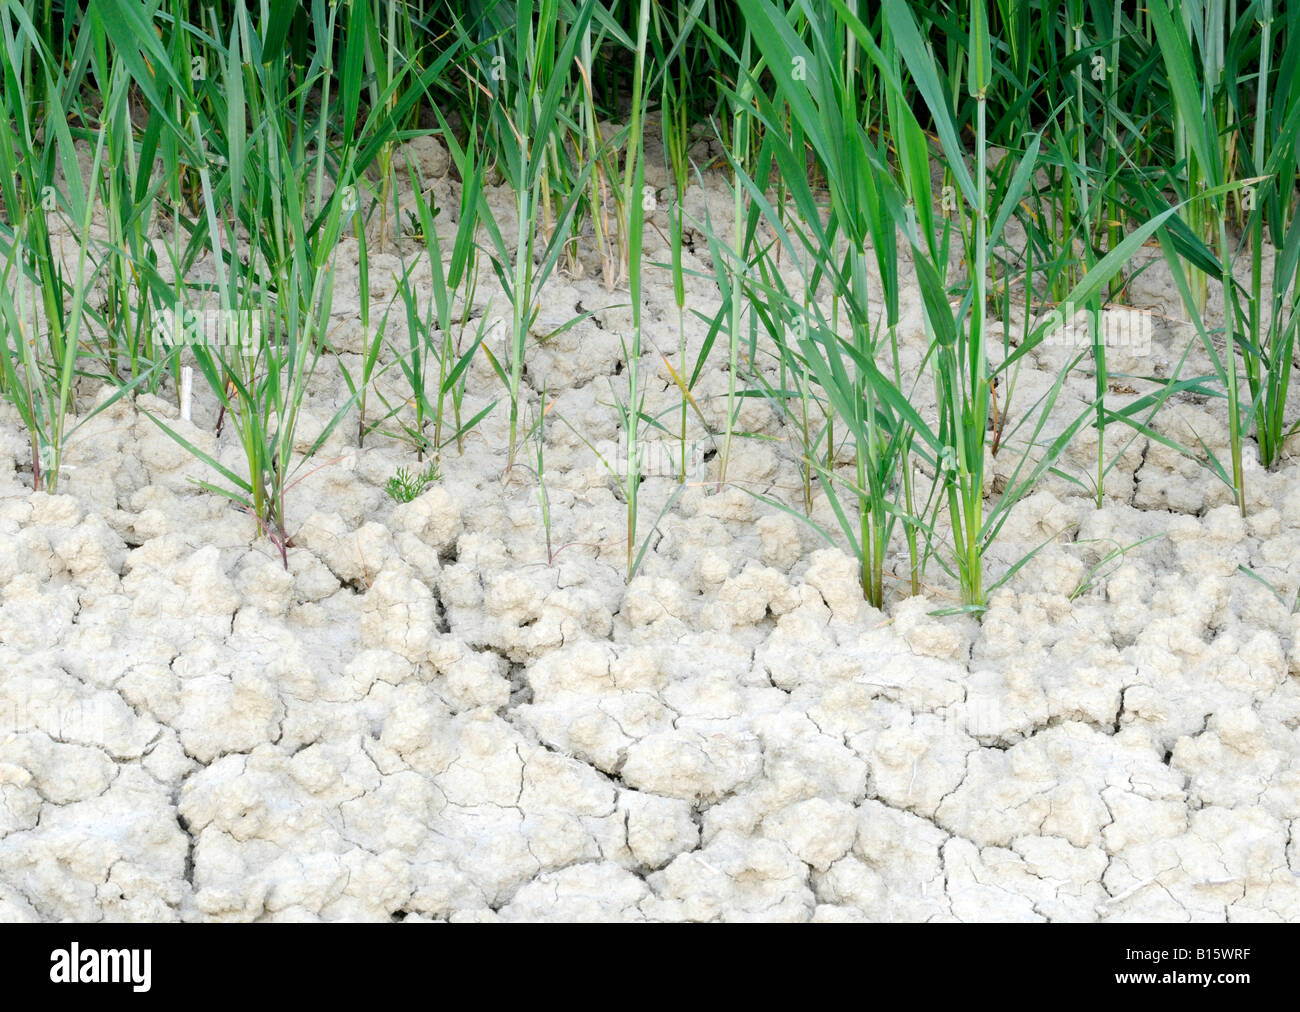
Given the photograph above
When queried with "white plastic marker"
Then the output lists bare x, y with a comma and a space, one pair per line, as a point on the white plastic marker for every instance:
187, 391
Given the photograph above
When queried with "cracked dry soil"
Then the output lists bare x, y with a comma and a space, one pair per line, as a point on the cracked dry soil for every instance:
429, 716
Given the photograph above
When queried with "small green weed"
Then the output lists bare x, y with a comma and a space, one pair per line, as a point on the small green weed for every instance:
403, 487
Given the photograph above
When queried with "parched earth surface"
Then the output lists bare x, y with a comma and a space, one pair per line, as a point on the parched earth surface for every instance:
444, 710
